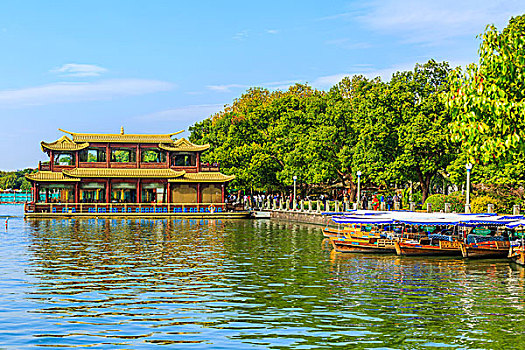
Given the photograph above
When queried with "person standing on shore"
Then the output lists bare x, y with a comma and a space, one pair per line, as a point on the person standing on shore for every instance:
364, 202
375, 202
389, 202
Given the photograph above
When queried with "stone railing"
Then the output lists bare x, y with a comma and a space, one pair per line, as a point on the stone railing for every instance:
318, 206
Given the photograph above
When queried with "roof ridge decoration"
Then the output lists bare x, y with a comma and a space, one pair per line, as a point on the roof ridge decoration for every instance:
183, 145
121, 137
63, 144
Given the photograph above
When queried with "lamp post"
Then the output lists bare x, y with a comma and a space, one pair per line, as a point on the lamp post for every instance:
468, 166
358, 189
294, 191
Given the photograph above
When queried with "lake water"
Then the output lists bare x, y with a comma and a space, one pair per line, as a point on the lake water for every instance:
219, 284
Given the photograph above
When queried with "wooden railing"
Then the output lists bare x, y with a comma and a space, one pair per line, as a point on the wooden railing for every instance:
126, 208
210, 167
44, 166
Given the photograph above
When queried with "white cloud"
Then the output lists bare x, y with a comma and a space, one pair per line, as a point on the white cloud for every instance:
241, 36
76, 92
272, 31
79, 70
188, 114
226, 87
430, 21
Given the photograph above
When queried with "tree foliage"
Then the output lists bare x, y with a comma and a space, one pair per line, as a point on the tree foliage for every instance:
15, 180
487, 99
420, 128
389, 131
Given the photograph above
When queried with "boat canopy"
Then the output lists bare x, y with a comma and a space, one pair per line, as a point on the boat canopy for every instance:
515, 224
362, 220
428, 219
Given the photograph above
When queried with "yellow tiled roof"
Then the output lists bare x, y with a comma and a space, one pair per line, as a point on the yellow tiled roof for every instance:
182, 145
63, 144
122, 138
203, 177
53, 176
126, 173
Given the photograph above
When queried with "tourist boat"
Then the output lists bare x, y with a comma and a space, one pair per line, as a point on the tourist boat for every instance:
419, 241
372, 245
517, 249
453, 243
489, 249
483, 242
107, 175
355, 231
363, 235
517, 254
486, 246
424, 247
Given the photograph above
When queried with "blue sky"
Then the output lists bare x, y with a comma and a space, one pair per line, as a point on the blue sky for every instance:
160, 66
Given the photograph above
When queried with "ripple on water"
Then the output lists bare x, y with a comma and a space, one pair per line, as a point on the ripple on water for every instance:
238, 284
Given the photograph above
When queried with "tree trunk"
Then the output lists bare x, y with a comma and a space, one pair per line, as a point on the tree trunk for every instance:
353, 188
425, 185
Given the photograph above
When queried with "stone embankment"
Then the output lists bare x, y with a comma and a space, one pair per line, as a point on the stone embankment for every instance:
299, 216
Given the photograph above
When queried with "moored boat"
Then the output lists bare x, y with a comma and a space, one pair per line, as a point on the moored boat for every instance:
517, 254
423, 248
374, 245
485, 247
517, 248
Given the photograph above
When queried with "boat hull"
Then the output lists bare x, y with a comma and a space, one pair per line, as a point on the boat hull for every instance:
380, 247
411, 249
517, 255
329, 232
480, 251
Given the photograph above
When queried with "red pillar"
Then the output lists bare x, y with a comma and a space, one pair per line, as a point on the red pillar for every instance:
137, 158
222, 193
169, 192
51, 160
76, 193
139, 191
168, 158
108, 155
107, 190
199, 195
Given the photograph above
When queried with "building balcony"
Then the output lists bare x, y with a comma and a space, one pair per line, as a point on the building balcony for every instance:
44, 166
210, 167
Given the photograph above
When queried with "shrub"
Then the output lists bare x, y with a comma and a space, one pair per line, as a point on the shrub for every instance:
479, 204
457, 202
437, 200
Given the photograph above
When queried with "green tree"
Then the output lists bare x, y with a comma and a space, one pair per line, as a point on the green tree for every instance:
487, 99
424, 143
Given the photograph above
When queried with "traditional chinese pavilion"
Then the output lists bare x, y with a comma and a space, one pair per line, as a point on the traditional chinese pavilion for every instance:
126, 173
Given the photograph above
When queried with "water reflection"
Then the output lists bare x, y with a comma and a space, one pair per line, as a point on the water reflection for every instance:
238, 284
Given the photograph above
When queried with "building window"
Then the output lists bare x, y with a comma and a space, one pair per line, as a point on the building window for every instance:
184, 159
153, 155
123, 155
93, 155
65, 159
